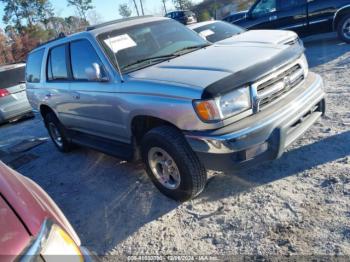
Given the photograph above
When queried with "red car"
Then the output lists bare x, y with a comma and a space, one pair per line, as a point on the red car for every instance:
32, 225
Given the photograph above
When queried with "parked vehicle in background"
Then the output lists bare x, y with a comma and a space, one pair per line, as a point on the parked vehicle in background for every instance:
13, 98
32, 227
150, 87
223, 32
302, 16
184, 17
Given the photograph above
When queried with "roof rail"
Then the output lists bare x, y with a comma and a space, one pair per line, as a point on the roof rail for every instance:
60, 36
89, 28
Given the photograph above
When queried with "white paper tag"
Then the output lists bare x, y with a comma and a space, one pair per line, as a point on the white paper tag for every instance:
206, 33
120, 42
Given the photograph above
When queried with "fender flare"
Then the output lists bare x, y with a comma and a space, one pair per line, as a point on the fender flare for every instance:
337, 13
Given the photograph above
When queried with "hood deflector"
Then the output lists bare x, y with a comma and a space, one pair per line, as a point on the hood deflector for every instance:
253, 73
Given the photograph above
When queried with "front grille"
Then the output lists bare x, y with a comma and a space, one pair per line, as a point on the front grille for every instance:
274, 88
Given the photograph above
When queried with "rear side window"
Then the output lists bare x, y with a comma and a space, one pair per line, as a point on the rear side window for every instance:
83, 55
11, 77
57, 64
33, 69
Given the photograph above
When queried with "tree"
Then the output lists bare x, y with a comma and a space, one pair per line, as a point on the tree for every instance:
5, 49
94, 17
124, 10
45, 12
12, 13
164, 5
18, 11
82, 6
183, 4
74, 24
204, 16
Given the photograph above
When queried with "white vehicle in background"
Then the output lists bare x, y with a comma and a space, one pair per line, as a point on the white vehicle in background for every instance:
13, 98
226, 33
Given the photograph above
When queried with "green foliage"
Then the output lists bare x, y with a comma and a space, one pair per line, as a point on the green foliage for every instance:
124, 10
245, 4
82, 6
204, 16
20, 12
183, 4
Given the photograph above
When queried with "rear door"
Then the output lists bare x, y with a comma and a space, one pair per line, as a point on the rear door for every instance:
56, 90
292, 15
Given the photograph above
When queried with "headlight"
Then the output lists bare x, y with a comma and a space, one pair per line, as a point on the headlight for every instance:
305, 65
52, 241
59, 243
224, 106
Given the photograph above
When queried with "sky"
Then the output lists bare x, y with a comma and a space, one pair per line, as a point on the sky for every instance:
105, 9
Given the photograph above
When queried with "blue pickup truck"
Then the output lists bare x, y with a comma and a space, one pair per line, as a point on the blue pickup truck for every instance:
305, 17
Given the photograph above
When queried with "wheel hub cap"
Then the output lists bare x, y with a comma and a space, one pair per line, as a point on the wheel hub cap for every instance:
164, 168
346, 29
55, 133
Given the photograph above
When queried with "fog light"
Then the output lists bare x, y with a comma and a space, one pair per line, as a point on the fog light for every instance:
255, 151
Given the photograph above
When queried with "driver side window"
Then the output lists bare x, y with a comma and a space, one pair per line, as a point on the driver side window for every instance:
264, 7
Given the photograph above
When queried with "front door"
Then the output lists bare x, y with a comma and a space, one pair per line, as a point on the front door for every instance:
263, 15
94, 108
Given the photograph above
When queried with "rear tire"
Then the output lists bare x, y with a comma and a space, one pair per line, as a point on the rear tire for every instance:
168, 156
57, 133
343, 29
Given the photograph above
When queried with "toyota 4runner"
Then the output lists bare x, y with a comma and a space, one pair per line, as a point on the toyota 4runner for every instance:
149, 88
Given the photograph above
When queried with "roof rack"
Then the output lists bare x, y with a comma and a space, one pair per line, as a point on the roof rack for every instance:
89, 28
60, 36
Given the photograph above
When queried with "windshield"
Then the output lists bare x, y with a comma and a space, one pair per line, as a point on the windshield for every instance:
218, 31
143, 45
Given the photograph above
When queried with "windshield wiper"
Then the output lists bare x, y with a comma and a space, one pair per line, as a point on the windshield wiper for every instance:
151, 59
155, 59
192, 48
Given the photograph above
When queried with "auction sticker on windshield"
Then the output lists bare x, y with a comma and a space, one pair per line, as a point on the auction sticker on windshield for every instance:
120, 42
206, 33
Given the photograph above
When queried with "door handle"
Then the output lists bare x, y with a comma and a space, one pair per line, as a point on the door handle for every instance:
273, 18
48, 96
76, 96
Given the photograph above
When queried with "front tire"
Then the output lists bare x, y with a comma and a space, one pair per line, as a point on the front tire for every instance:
344, 29
57, 133
172, 165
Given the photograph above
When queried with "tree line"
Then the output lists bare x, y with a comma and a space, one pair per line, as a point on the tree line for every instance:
29, 23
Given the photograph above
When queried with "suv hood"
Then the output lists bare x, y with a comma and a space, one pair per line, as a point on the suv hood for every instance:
206, 69
276, 37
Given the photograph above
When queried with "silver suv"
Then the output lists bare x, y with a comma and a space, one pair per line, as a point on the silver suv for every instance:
149, 88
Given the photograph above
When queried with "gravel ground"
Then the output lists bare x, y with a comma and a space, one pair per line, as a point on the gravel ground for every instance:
297, 205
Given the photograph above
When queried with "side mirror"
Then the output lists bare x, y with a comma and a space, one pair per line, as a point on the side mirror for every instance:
249, 15
94, 73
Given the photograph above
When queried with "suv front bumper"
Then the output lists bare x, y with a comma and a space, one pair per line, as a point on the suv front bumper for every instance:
263, 136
